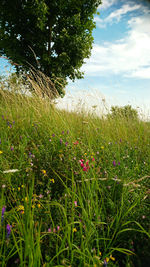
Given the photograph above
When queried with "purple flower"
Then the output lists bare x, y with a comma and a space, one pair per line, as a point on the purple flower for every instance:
53, 135
105, 263
3, 210
62, 132
12, 148
118, 162
61, 140
66, 143
8, 228
114, 162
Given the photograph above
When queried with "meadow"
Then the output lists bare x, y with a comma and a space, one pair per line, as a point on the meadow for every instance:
74, 187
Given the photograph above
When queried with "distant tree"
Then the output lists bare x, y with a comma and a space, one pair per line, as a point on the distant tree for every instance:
54, 36
126, 112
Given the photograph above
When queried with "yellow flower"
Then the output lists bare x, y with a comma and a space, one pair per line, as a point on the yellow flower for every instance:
26, 199
44, 171
1, 152
22, 186
102, 147
20, 208
100, 253
18, 188
33, 206
74, 230
107, 259
85, 153
112, 258
39, 206
52, 180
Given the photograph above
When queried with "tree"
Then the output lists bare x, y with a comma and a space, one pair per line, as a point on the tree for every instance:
126, 112
54, 36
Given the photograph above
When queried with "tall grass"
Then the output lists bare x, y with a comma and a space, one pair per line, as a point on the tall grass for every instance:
75, 187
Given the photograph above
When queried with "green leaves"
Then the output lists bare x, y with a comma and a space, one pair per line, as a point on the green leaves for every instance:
57, 33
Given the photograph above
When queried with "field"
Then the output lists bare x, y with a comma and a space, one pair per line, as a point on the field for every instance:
74, 188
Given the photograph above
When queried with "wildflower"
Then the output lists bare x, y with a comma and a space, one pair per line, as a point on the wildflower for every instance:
1, 152
3, 185
12, 148
93, 159
50, 140
82, 164
61, 140
66, 143
26, 199
118, 162
85, 168
100, 253
58, 228
44, 172
76, 143
54, 230
74, 230
53, 135
21, 209
102, 147
114, 163
52, 180
112, 258
3, 211
18, 188
39, 205
49, 230
8, 228
105, 263
40, 196
75, 203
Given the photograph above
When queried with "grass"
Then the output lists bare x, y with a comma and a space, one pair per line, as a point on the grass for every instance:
74, 188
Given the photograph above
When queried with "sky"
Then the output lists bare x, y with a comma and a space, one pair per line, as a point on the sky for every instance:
118, 71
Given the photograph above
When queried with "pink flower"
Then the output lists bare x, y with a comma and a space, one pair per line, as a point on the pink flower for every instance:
93, 159
54, 230
75, 203
76, 143
82, 165
58, 227
85, 168
49, 230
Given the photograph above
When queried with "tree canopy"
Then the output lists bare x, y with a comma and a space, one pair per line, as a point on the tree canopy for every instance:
54, 36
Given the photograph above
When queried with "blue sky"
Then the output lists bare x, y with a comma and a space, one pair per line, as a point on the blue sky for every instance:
119, 67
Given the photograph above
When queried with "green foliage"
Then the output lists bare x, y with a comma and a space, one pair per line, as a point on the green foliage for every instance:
126, 112
53, 36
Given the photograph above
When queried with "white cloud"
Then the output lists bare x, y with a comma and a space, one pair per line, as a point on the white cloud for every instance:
129, 56
117, 14
107, 3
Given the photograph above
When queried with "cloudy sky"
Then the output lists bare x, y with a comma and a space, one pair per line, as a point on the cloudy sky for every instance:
119, 67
